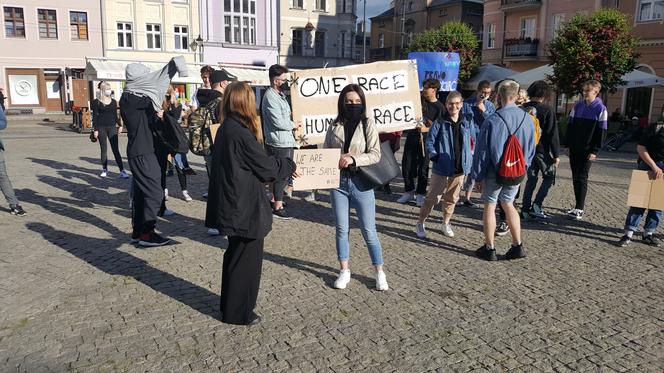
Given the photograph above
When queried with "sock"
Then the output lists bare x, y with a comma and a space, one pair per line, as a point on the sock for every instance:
629, 234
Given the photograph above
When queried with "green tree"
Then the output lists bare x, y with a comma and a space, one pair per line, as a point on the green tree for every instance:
597, 46
451, 37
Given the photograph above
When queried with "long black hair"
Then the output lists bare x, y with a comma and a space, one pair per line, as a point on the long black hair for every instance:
341, 103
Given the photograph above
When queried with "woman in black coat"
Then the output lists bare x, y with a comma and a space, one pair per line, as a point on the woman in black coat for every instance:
237, 203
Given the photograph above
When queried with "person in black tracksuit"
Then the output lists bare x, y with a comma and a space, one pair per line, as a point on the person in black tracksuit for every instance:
237, 204
586, 125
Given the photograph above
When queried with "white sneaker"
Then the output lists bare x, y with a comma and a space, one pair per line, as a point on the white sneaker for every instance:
381, 281
166, 194
343, 279
103, 173
124, 175
406, 197
213, 232
205, 195
419, 200
575, 214
311, 197
186, 196
168, 212
420, 230
447, 230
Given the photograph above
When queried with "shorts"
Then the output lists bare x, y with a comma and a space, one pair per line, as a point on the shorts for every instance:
492, 192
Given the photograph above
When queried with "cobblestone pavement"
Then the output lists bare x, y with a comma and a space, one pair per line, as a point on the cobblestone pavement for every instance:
77, 296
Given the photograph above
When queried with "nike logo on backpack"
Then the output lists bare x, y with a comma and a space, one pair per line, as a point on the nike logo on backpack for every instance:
510, 164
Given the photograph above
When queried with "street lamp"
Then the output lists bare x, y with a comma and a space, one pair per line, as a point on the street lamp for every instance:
194, 46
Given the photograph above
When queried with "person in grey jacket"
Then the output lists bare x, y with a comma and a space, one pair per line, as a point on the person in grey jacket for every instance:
6, 185
278, 128
357, 137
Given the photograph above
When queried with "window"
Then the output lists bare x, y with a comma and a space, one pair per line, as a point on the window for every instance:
342, 50
245, 30
227, 29
442, 12
527, 28
153, 33
14, 22
245, 6
78, 22
253, 7
381, 40
650, 10
227, 6
410, 5
491, 35
48, 24
181, 37
298, 39
125, 39
236, 6
298, 4
319, 44
236, 30
252, 31
558, 20
320, 5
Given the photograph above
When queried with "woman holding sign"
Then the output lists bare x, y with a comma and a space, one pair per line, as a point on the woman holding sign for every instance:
237, 204
357, 136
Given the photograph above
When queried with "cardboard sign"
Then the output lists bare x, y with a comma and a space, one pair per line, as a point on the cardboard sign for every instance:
443, 66
214, 127
390, 88
318, 169
644, 192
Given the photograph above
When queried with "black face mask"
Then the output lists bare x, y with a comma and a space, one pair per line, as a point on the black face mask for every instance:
354, 112
168, 97
284, 86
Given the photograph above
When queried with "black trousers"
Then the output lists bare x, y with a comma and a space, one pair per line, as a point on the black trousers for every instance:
147, 193
110, 133
161, 153
580, 165
415, 164
240, 279
279, 185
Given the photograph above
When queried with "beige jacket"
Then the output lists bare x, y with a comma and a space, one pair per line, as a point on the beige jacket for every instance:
363, 155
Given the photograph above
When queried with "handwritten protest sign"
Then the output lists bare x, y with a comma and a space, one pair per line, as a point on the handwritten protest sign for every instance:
443, 66
391, 90
318, 169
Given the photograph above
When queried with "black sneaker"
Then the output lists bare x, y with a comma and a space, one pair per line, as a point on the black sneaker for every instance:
624, 241
502, 229
649, 240
17, 210
525, 216
468, 203
281, 214
152, 239
135, 237
486, 253
515, 252
189, 171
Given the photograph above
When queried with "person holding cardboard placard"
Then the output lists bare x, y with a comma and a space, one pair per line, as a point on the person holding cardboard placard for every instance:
357, 136
448, 147
237, 204
651, 158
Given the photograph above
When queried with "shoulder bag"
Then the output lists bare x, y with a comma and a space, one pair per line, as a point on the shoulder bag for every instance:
385, 170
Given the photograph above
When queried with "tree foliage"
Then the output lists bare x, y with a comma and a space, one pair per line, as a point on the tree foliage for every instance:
597, 46
451, 37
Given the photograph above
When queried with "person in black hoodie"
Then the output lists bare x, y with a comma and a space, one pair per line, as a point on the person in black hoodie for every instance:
547, 158
586, 125
237, 203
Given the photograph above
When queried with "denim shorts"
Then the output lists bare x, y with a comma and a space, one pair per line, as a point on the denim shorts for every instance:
492, 192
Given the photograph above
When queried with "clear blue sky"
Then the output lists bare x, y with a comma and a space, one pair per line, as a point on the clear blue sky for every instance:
374, 7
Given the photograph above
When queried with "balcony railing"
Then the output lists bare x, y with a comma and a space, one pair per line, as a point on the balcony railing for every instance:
519, 4
521, 47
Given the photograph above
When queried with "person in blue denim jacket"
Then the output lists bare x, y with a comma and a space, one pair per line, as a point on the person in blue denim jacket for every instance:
448, 147
509, 119
6, 185
477, 109
651, 158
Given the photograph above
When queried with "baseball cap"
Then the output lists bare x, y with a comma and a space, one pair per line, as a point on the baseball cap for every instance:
221, 75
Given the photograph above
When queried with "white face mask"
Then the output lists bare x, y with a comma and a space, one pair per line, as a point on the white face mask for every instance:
177, 94
107, 92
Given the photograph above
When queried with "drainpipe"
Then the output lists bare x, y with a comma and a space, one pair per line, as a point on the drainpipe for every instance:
102, 4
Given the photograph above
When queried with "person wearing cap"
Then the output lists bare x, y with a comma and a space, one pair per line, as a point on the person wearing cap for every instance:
278, 129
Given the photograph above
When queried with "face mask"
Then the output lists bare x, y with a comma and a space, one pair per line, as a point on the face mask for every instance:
168, 97
354, 112
107, 92
177, 94
284, 87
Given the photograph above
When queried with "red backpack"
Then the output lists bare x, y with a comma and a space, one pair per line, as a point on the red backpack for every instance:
512, 166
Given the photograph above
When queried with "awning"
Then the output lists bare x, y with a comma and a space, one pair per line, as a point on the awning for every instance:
633, 79
488, 72
114, 70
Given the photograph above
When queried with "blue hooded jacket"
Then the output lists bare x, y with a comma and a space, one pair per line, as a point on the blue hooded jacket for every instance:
493, 136
477, 117
441, 141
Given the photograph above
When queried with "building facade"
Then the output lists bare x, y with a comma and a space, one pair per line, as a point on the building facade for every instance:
240, 32
317, 33
394, 29
44, 44
517, 32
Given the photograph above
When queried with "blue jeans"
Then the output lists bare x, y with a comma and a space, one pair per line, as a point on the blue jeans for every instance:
548, 171
180, 160
350, 194
635, 214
